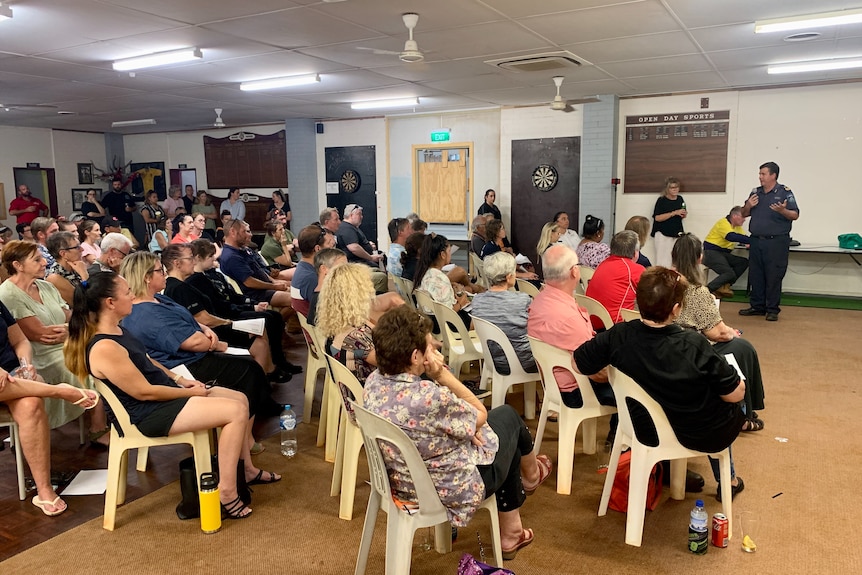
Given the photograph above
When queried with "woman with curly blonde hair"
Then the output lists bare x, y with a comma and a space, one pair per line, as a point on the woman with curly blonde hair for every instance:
344, 317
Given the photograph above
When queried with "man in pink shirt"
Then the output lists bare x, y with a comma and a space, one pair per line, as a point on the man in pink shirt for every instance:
557, 319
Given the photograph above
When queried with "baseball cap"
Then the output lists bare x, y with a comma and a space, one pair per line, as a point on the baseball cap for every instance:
350, 208
110, 221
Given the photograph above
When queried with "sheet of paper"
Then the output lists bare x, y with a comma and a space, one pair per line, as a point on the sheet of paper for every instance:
88, 482
331, 187
183, 371
237, 351
732, 361
252, 326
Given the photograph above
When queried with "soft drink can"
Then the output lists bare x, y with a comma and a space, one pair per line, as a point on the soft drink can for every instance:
719, 530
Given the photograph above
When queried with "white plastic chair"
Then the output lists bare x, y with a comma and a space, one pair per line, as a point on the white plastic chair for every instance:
349, 439
630, 314
500, 385
425, 304
118, 456
548, 357
401, 525
328, 426
15, 443
479, 269
595, 307
405, 288
463, 345
644, 457
586, 275
526, 287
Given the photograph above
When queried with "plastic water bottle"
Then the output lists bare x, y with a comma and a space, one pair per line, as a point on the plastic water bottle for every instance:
287, 422
698, 534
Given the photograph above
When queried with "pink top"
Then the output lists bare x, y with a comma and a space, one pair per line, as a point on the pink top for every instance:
87, 250
557, 319
170, 205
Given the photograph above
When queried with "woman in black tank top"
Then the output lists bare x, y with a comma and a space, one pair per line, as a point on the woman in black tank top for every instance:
158, 402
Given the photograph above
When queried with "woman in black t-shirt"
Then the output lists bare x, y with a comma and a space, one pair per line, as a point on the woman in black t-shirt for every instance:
698, 390
667, 216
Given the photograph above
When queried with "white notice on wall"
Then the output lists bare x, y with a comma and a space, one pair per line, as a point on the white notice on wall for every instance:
331, 187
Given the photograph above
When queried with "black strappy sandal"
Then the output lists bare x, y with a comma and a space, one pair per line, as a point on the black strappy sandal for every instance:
235, 510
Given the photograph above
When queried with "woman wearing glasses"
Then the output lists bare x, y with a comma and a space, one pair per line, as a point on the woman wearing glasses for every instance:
42, 315
203, 207
69, 268
173, 337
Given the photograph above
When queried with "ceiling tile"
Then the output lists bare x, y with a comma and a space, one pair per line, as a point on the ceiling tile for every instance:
618, 21
652, 66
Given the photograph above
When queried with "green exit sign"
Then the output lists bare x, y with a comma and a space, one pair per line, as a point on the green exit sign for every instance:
440, 136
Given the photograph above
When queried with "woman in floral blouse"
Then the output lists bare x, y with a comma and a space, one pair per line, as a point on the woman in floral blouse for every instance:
471, 453
344, 317
700, 313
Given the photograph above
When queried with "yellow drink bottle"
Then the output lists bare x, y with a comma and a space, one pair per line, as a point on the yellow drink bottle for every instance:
210, 503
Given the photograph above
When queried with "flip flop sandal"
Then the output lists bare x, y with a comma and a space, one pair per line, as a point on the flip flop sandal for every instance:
545, 468
84, 396
259, 480
752, 425
525, 539
43, 505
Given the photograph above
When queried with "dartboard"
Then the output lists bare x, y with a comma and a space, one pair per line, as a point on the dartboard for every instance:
349, 181
544, 178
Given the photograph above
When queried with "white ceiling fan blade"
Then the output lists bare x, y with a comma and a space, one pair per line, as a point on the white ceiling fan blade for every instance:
378, 51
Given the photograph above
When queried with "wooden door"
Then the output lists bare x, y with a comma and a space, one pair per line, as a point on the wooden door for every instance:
443, 185
353, 170
545, 180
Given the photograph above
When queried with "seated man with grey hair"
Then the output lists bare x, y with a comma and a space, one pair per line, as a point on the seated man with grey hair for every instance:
115, 247
478, 239
615, 281
505, 309
558, 320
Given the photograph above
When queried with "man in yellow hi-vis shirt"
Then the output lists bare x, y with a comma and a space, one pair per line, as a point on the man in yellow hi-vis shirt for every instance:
719, 242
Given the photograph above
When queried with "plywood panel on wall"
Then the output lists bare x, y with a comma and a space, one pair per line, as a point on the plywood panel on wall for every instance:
442, 183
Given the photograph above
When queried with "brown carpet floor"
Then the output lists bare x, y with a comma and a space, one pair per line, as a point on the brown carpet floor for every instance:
800, 474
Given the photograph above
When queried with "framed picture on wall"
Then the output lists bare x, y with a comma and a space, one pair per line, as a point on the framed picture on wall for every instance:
79, 196
85, 173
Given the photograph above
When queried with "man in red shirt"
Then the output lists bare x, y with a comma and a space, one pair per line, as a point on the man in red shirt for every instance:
615, 282
25, 207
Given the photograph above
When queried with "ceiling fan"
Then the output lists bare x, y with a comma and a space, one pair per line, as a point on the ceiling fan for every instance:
558, 102
566, 105
411, 52
219, 123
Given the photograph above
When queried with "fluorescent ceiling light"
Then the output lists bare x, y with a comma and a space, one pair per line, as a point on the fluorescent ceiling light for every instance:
284, 82
371, 104
809, 21
126, 123
815, 66
5, 13
158, 59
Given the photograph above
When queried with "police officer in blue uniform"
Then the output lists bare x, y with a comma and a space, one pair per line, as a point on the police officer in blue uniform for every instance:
773, 209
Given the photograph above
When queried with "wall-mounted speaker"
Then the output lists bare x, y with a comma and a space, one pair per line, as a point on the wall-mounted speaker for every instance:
319, 127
